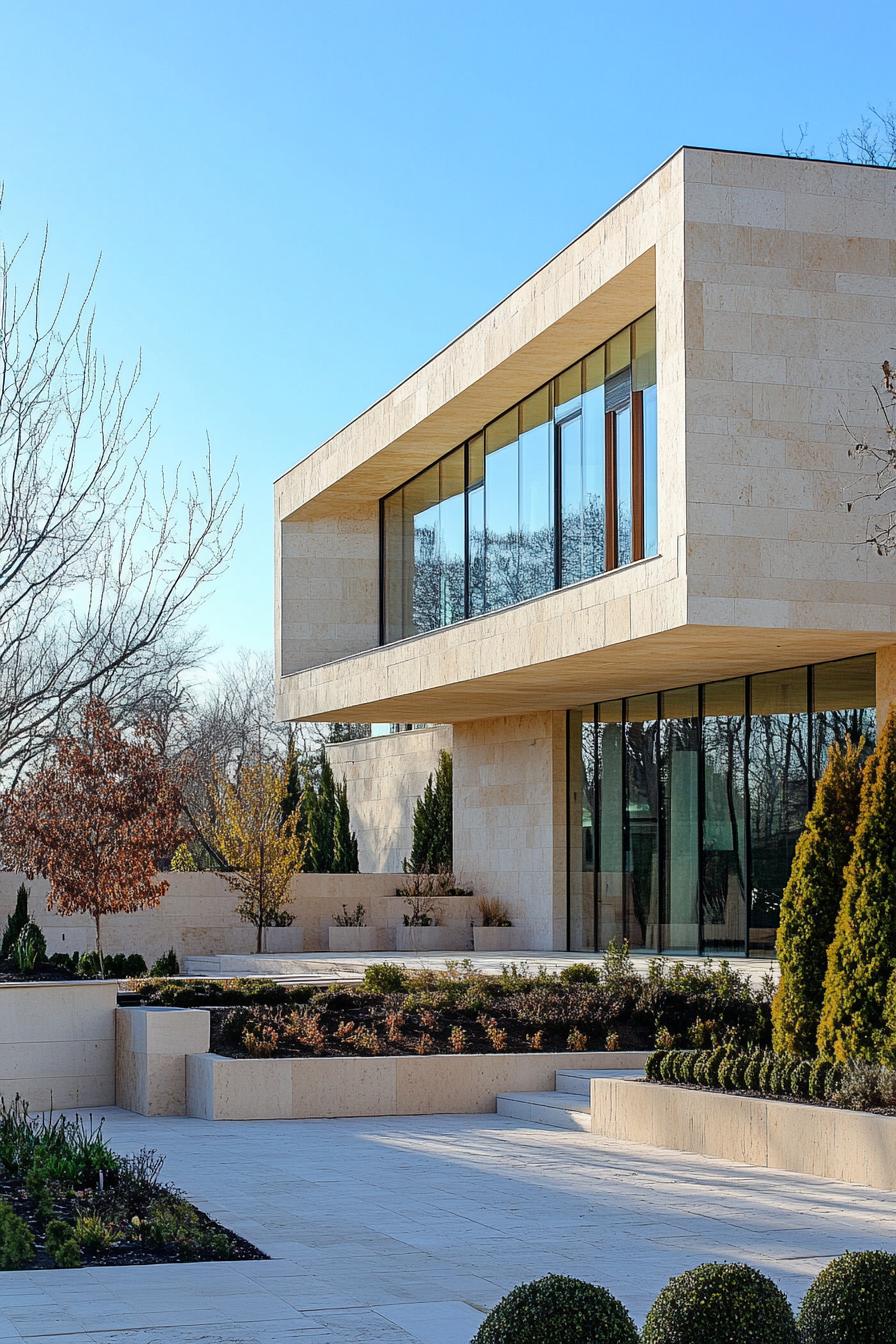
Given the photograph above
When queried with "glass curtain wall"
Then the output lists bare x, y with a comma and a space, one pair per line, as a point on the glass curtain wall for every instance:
558, 489
685, 808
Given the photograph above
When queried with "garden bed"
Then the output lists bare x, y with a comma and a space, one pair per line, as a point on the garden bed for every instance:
399, 1012
67, 1200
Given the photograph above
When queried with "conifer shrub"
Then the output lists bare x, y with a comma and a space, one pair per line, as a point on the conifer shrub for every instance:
852, 1301
557, 1310
862, 955
720, 1304
753, 1070
812, 900
799, 1079
16, 922
432, 847
818, 1075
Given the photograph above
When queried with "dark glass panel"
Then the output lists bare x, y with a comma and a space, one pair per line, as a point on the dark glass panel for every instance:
779, 792
641, 822
593, 468
581, 828
536, 496
421, 513
502, 513
476, 524
569, 436
844, 699
680, 759
451, 538
622, 420
610, 884
724, 818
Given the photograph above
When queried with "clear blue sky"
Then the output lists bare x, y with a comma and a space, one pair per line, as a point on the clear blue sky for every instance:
298, 203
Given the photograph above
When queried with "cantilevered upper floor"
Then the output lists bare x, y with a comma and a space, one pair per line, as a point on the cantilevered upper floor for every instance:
630, 473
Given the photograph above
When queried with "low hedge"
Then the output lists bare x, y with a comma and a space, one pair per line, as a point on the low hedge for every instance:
720, 1304
557, 1310
760, 1071
852, 1301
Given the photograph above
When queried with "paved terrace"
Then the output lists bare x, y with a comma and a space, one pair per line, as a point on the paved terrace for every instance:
401, 1230
328, 967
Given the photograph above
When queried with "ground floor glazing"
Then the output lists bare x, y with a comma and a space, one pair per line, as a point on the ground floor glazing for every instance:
685, 805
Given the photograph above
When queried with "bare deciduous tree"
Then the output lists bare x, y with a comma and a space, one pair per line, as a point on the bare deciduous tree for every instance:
101, 570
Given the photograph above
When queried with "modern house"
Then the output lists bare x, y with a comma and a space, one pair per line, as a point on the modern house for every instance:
601, 540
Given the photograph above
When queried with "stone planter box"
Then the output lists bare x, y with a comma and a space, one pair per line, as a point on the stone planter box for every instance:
488, 938
363, 938
220, 1088
432, 938
839, 1145
277, 941
151, 1046
57, 1043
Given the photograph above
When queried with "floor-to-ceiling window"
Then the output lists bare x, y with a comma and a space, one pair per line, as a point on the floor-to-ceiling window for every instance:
685, 807
560, 488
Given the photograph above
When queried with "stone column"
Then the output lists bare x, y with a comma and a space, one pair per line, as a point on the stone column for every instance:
510, 818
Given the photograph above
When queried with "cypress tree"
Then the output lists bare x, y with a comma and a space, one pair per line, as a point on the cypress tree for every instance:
812, 900
292, 795
15, 922
345, 842
862, 955
322, 821
432, 846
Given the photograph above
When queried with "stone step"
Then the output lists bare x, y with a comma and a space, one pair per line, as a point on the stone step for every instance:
557, 1110
579, 1080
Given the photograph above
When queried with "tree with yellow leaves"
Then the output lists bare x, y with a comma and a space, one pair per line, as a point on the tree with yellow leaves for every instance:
262, 847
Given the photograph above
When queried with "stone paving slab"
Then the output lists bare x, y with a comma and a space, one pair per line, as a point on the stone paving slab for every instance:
406, 1230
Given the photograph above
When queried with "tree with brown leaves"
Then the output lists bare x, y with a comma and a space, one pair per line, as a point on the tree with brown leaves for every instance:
95, 821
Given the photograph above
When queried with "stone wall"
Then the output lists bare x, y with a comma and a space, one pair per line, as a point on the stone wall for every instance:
384, 777
510, 818
198, 916
57, 1044
790, 309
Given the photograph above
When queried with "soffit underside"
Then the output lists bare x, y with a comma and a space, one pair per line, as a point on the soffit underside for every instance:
679, 657
584, 327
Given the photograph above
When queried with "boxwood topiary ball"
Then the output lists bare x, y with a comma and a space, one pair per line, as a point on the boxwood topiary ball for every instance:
557, 1310
720, 1304
853, 1301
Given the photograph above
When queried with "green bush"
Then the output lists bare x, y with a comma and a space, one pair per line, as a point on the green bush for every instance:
29, 949
720, 1304
766, 1069
852, 1301
818, 1077
581, 973
432, 846
799, 1079
653, 1065
385, 977
753, 1071
16, 1241
861, 957
812, 899
557, 1310
167, 964
61, 1246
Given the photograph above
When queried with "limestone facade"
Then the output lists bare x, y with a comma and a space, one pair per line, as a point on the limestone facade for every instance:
774, 283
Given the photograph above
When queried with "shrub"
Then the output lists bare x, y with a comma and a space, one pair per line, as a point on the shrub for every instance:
852, 1301
581, 973
753, 1071
432, 844
66, 1254
720, 1304
653, 1065
16, 1241
866, 1087
29, 949
812, 899
384, 977
92, 1233
167, 964
713, 1064
351, 919
862, 954
799, 1079
493, 913
818, 1074
738, 1070
557, 1310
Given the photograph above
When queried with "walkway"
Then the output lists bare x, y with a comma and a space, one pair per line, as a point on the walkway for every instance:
401, 1230
327, 967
